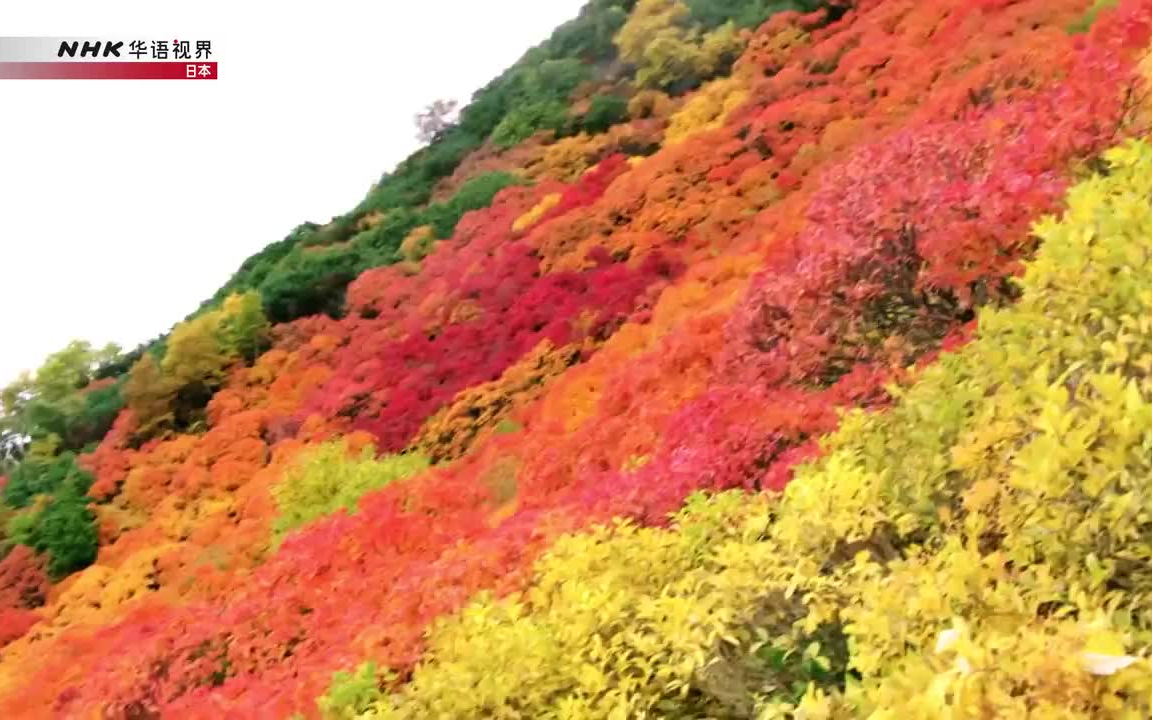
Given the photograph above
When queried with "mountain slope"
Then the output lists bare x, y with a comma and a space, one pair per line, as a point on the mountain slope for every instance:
724, 358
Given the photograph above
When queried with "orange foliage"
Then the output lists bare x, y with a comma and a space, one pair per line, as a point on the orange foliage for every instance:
452, 431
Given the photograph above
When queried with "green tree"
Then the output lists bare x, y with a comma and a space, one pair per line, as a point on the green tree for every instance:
44, 476
310, 282
525, 120
606, 111
40, 405
66, 530
744, 13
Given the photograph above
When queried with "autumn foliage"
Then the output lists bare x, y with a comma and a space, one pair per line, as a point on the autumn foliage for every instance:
702, 336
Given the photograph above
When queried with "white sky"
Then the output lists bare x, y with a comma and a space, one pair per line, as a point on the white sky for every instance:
124, 204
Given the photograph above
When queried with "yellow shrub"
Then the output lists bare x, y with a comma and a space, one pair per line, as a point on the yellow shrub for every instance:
620, 618
418, 243
706, 109
666, 50
533, 216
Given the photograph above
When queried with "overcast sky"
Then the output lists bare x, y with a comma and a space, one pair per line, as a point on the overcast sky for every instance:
124, 204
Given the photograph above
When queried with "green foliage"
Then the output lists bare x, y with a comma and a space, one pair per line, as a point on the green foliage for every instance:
309, 282
101, 406
18, 529
507, 426
327, 479
55, 409
171, 393
553, 78
56, 519
380, 244
51, 403
525, 120
539, 80
529, 96
1084, 24
35, 477
339, 230
589, 36
353, 693
473, 195
46, 418
744, 13
82, 419
606, 111
411, 183
256, 268
66, 530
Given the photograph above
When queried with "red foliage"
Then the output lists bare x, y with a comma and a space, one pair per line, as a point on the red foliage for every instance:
392, 391
23, 579
14, 623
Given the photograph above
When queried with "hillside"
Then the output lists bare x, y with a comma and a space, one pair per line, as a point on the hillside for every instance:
724, 359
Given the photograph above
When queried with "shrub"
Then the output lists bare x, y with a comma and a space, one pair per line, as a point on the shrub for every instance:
473, 195
668, 52
43, 477
612, 626
244, 329
606, 111
525, 120
744, 13
309, 283
101, 406
353, 693
23, 581
328, 479
1084, 24
66, 531
381, 244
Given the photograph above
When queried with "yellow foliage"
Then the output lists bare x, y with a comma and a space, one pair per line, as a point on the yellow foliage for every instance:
533, 216
450, 433
618, 617
194, 351
418, 243
706, 109
566, 159
665, 49
650, 103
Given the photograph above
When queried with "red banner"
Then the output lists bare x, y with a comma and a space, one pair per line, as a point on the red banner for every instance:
108, 71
